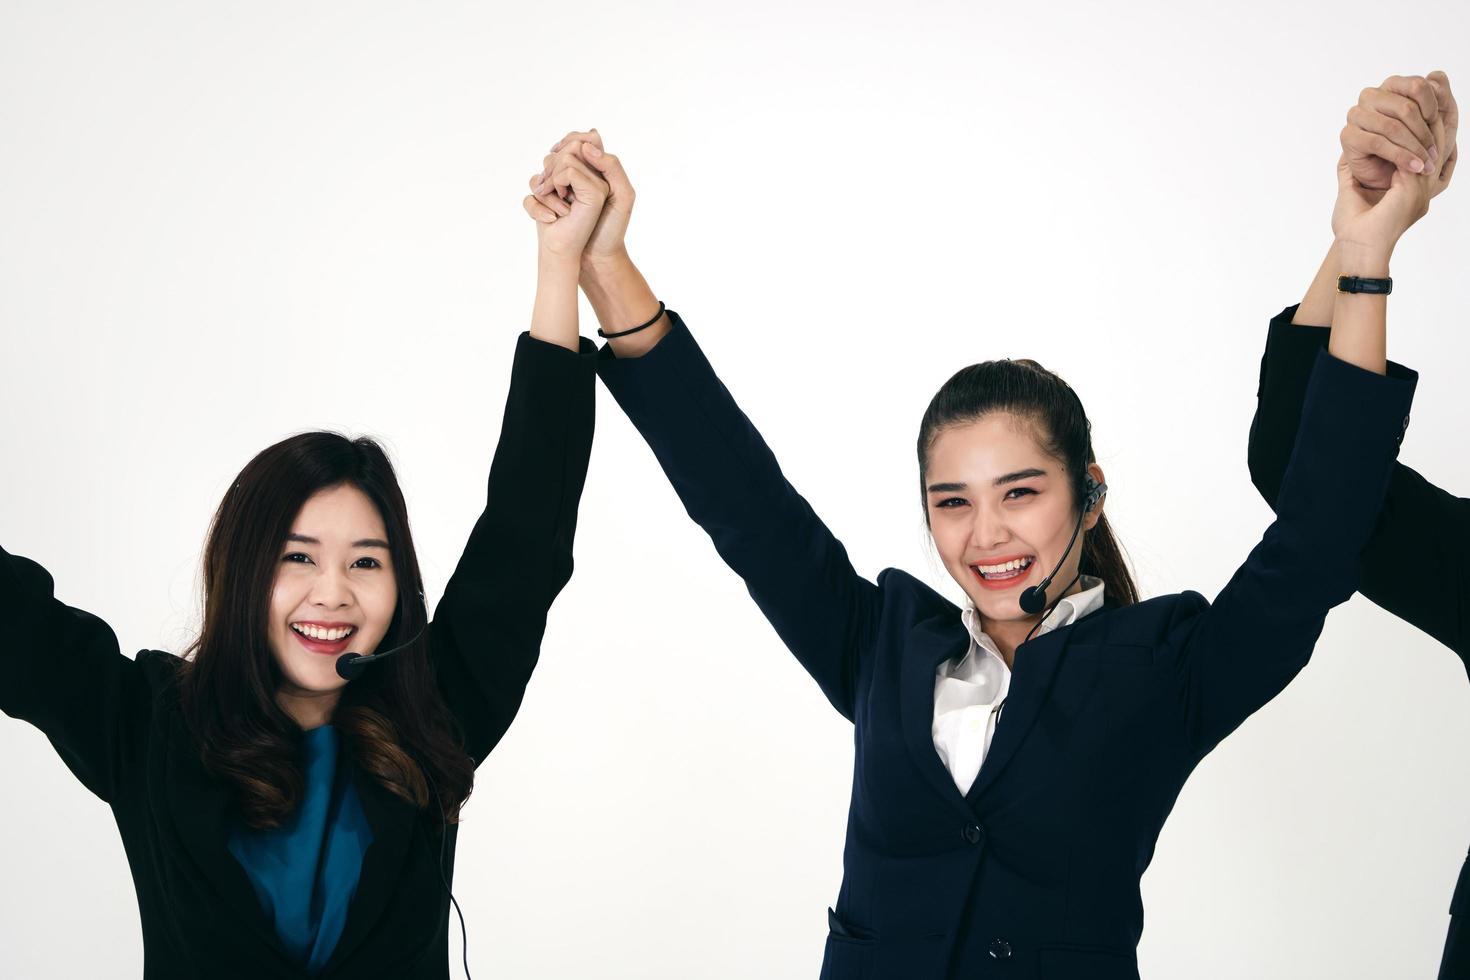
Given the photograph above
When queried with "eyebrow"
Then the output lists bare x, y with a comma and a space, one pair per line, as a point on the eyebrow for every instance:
1000, 481
361, 543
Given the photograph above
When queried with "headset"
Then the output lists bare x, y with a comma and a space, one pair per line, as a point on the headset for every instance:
1033, 600
352, 665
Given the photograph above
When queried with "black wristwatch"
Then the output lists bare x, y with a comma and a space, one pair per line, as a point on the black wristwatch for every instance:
1354, 284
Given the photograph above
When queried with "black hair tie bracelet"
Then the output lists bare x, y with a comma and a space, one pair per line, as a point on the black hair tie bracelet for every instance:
641, 326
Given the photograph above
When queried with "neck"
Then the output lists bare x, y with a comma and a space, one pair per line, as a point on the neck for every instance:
309, 709
1008, 634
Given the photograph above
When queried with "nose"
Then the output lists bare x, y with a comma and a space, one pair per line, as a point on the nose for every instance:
331, 590
989, 530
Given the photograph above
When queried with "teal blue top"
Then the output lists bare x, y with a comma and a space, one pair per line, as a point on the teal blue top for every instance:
305, 872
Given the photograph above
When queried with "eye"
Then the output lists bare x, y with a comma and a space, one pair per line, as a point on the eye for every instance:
1021, 492
371, 563
949, 503
297, 557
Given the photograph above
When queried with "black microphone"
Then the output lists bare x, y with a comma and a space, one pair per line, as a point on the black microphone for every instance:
350, 665
1033, 600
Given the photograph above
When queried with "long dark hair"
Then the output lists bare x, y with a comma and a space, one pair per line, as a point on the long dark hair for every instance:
1031, 392
393, 721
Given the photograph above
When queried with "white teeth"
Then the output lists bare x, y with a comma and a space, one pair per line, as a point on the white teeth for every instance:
1010, 566
318, 633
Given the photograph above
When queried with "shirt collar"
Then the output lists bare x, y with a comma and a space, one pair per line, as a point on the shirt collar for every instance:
1070, 609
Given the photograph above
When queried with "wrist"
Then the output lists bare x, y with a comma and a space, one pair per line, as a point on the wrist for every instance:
1365, 260
553, 265
605, 266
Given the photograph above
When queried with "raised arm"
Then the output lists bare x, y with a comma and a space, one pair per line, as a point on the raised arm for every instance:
721, 468
1260, 631
1420, 523
61, 670
486, 633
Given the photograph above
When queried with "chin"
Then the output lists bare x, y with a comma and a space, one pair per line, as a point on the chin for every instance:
999, 610
316, 678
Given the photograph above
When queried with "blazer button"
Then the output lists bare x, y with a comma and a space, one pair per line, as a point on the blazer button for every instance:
1000, 949
973, 833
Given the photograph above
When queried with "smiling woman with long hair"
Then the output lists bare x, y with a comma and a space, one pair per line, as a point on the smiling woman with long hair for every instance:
280, 819
1015, 759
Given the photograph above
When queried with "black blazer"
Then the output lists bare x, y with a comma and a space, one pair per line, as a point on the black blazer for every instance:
1035, 872
115, 721
1419, 523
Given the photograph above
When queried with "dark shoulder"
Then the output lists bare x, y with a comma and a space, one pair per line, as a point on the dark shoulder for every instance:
905, 595
161, 670
1144, 623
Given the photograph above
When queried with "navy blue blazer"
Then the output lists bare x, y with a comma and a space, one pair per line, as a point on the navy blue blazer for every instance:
1420, 523
1035, 872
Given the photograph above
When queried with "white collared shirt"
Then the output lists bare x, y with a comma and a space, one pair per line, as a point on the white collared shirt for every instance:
969, 691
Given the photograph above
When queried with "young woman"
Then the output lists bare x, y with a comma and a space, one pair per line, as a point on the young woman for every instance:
1406, 122
280, 820
1015, 759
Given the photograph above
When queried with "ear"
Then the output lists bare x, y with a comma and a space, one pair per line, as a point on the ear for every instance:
1093, 516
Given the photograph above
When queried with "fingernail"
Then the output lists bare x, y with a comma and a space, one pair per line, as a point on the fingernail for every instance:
1416, 165
592, 149
1433, 154
548, 218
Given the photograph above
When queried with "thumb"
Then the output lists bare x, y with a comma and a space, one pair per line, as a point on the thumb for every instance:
619, 187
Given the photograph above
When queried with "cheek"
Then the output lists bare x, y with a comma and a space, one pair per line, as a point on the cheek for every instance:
949, 540
378, 603
286, 596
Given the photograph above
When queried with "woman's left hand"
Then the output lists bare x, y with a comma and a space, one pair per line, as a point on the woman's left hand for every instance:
1374, 219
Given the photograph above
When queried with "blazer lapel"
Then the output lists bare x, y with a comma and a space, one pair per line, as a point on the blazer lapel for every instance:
930, 643
1035, 663
202, 809
392, 820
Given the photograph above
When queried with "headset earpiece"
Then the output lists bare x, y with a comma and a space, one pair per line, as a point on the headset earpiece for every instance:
1095, 493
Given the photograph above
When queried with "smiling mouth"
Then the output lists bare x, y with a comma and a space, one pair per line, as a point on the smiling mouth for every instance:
1002, 573
317, 639
322, 634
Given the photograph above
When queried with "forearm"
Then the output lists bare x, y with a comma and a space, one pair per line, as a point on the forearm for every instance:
730, 483
1261, 628
1317, 306
487, 629
554, 315
622, 299
1360, 320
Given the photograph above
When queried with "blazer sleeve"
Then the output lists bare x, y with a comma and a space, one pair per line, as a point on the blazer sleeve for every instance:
1420, 526
1241, 651
61, 670
485, 636
730, 484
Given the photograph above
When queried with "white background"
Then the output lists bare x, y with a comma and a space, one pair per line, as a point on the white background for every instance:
224, 223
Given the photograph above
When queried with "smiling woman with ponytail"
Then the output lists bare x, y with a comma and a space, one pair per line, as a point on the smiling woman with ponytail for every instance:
279, 819
1016, 757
